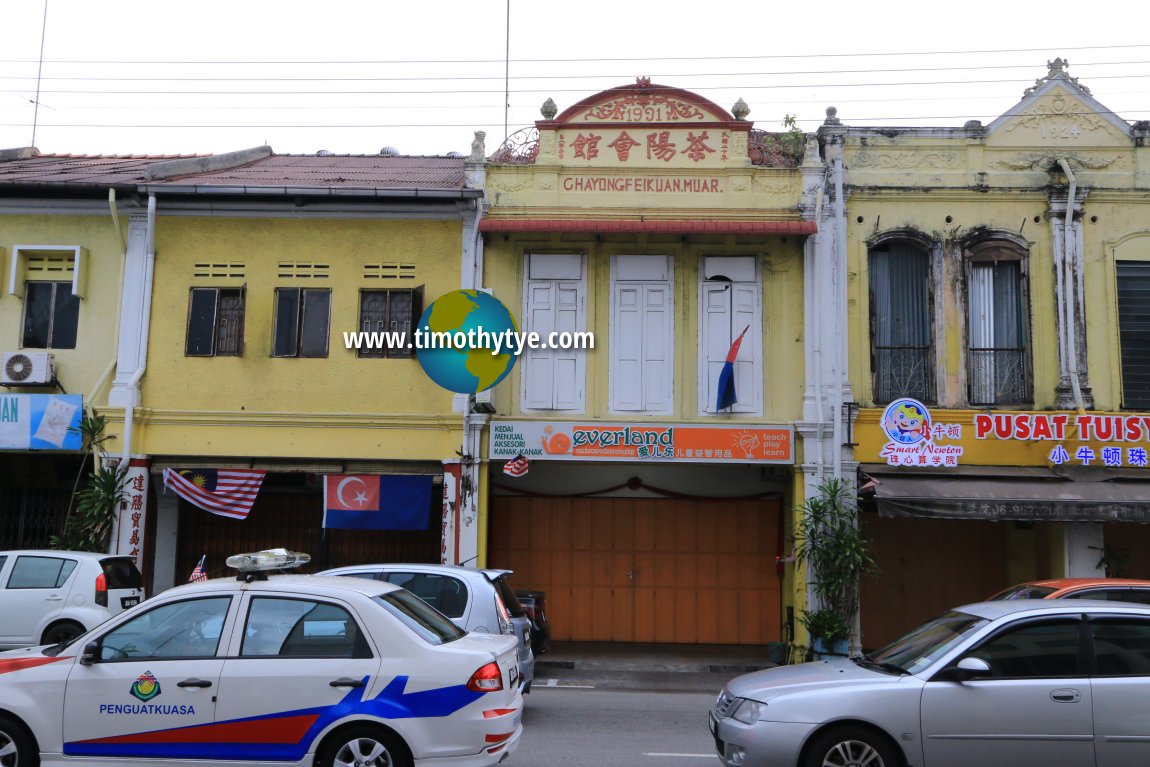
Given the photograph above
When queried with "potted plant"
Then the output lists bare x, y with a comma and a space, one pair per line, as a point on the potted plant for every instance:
829, 541
829, 633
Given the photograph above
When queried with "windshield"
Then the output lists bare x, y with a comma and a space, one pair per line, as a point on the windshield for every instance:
510, 601
1023, 592
924, 645
432, 626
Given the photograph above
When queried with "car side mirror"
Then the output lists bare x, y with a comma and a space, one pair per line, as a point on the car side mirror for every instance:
91, 652
968, 668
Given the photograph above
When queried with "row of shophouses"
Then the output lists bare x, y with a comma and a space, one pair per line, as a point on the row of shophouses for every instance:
956, 319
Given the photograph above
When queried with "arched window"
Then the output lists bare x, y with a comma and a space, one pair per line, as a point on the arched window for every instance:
902, 359
998, 355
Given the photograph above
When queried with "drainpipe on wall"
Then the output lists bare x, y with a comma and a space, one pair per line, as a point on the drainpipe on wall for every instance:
839, 277
471, 278
145, 320
816, 329
1069, 293
119, 301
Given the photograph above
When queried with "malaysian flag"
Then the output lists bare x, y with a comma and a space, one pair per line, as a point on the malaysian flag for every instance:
516, 467
227, 492
198, 574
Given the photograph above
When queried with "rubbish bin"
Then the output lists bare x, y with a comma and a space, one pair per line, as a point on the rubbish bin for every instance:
535, 605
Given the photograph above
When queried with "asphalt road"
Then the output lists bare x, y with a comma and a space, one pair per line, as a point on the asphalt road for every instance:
615, 719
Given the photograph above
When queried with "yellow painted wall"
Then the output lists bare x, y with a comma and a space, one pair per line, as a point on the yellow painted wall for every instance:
78, 369
947, 187
780, 266
338, 406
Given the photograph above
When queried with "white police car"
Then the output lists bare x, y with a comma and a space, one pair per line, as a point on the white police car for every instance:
290, 670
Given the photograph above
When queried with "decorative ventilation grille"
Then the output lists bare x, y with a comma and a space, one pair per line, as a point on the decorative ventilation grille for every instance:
389, 270
40, 267
304, 270
220, 269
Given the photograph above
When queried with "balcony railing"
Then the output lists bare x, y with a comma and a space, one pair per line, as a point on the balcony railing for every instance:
999, 377
903, 371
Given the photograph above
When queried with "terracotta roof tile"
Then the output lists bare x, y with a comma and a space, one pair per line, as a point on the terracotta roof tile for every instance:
79, 169
274, 172
343, 171
649, 226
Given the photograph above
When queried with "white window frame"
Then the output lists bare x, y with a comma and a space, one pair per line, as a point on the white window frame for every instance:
576, 358
18, 269
649, 405
748, 386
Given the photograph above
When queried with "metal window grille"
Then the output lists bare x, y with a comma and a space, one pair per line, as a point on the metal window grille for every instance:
901, 337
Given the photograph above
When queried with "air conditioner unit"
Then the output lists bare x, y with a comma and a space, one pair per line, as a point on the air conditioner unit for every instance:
28, 369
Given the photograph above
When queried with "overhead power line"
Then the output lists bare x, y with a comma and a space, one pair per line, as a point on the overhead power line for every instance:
765, 57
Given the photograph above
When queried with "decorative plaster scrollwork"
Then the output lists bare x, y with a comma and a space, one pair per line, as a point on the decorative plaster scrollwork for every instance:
906, 160
775, 185
645, 107
1060, 115
1044, 162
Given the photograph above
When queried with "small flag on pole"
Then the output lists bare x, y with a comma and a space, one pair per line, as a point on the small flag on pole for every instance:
516, 467
727, 396
198, 574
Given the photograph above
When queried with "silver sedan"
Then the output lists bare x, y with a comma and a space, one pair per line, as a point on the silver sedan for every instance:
1052, 683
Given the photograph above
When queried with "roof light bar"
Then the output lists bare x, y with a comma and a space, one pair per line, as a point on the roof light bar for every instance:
267, 560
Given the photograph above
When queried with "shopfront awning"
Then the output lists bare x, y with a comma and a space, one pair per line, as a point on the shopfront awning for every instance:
641, 226
1059, 494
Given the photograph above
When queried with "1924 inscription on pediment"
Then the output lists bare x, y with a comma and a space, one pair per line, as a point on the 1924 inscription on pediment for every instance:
1057, 118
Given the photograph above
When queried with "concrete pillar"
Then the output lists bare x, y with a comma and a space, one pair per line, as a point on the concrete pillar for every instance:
167, 531
1082, 550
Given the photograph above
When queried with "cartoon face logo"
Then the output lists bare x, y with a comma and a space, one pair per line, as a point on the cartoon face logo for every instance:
146, 687
906, 421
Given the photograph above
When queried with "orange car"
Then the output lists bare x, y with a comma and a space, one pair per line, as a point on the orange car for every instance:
1115, 589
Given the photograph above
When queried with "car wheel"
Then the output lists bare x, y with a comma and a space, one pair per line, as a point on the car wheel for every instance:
64, 631
850, 747
16, 745
363, 746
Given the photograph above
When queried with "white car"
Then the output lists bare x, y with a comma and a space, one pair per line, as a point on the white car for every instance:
286, 669
52, 596
476, 600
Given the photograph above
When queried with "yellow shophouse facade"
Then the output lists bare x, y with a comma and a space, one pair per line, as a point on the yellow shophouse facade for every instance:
995, 300
674, 235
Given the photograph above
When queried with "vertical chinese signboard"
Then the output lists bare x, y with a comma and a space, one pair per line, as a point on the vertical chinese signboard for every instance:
130, 523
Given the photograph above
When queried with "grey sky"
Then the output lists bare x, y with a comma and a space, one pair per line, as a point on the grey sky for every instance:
353, 76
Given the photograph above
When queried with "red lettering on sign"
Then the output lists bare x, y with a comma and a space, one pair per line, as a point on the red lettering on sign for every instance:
659, 145
587, 146
623, 144
696, 146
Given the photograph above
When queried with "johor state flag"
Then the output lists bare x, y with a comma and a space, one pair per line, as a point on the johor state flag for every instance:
374, 502
727, 395
227, 492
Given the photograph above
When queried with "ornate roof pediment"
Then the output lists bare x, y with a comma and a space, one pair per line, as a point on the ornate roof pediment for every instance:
644, 103
1059, 113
